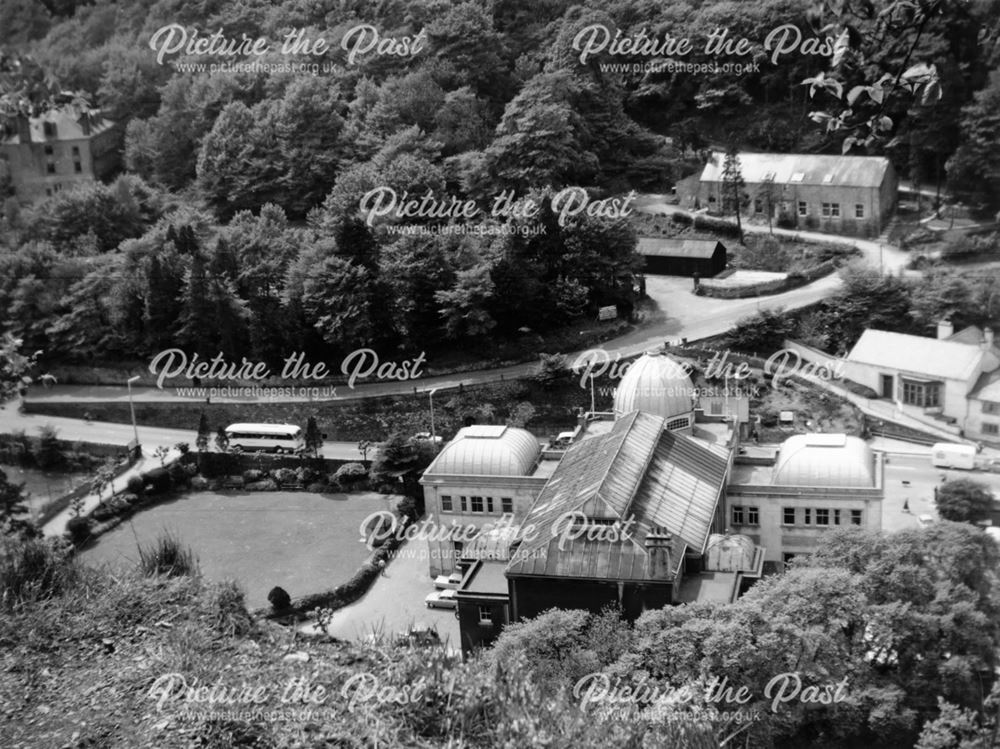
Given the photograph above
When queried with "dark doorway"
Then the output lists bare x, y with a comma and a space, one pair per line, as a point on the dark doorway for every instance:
887, 386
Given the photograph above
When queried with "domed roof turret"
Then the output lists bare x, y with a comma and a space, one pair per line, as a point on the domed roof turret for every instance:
824, 460
729, 552
483, 450
655, 384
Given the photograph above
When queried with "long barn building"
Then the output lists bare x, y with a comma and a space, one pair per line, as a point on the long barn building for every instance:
853, 195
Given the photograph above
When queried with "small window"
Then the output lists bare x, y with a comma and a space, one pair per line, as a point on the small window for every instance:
738, 518
788, 516
991, 428
758, 205
445, 503
990, 407
49, 150
836, 517
507, 505
855, 517
753, 516
50, 168
803, 208
825, 210
49, 128
485, 615
822, 517
807, 516
827, 179
76, 150
477, 504
835, 210
798, 177
489, 504
465, 503
859, 210
77, 167
458, 549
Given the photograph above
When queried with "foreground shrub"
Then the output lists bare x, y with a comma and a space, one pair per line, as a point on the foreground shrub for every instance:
79, 529
230, 611
158, 480
350, 474
266, 485
32, 570
167, 556
278, 598
136, 485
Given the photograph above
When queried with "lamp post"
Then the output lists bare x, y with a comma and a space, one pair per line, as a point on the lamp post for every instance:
430, 397
593, 406
131, 408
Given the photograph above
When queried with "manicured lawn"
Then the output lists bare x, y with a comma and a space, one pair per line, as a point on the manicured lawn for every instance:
304, 542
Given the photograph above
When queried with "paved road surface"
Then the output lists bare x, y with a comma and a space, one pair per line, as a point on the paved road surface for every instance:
121, 434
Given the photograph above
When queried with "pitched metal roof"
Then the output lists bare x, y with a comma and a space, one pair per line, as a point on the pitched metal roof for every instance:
803, 169
931, 357
702, 249
658, 480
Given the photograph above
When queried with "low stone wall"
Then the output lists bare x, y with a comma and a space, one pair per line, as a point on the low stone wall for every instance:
762, 288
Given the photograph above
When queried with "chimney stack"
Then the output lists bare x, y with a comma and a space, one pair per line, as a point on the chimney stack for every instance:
945, 329
659, 554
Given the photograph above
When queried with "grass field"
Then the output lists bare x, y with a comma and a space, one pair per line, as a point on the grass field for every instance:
301, 541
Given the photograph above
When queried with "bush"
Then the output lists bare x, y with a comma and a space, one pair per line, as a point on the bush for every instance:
350, 474
135, 484
178, 475
285, 476
279, 599
167, 556
78, 529
307, 475
252, 474
32, 570
199, 483
231, 617
158, 480
50, 453
265, 485
318, 487
768, 416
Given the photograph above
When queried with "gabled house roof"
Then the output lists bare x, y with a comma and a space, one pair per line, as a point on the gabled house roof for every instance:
663, 480
803, 169
68, 125
931, 357
701, 249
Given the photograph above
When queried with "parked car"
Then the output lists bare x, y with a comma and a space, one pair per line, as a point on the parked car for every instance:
442, 599
448, 582
426, 436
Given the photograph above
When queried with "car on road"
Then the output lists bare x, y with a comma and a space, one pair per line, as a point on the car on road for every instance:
448, 582
442, 599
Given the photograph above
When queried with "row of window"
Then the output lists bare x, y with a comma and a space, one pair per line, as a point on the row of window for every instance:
477, 504
829, 210
991, 428
745, 515
50, 164
989, 407
924, 394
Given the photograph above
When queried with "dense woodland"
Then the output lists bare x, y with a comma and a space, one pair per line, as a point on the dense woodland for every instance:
235, 226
